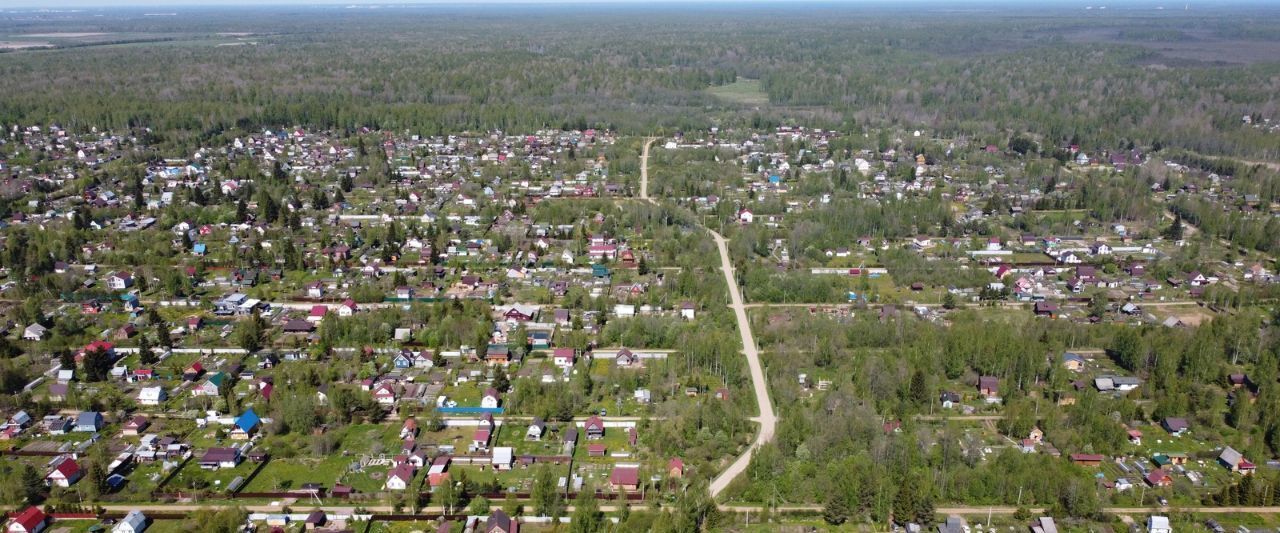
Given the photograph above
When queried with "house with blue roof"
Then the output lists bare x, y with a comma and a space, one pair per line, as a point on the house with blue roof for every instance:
199, 248
88, 422
246, 426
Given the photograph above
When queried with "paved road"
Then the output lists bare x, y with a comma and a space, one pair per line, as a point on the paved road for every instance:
768, 421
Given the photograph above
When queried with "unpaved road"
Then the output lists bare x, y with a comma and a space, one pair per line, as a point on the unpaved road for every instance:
767, 420
644, 169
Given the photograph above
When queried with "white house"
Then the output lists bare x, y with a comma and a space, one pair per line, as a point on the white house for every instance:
134, 522
745, 216
34, 332
65, 473
563, 357
152, 396
503, 458
687, 310
491, 399
119, 281
1159, 524
399, 478
347, 308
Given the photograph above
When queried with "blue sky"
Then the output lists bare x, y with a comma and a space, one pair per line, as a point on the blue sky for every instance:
89, 4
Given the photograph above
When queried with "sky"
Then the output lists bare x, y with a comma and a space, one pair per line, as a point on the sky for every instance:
90, 4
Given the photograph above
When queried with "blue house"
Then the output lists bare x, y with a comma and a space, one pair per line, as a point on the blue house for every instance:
246, 426
403, 360
131, 302
198, 249
599, 271
88, 422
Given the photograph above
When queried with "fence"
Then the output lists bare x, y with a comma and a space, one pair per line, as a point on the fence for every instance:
470, 410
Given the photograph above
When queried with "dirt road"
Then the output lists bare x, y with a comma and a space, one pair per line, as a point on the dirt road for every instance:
644, 169
768, 421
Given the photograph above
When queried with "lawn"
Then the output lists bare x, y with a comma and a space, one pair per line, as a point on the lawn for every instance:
743, 91
210, 480
289, 474
615, 441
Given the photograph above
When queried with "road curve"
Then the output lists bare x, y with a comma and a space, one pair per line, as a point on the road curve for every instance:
768, 421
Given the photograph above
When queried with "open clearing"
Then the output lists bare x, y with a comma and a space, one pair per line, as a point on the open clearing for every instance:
64, 35
743, 91
22, 45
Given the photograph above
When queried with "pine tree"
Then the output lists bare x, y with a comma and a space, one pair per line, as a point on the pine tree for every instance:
907, 503
500, 380
1174, 231
162, 335
145, 355
836, 511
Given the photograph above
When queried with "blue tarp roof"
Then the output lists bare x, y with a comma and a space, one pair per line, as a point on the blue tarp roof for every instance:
248, 420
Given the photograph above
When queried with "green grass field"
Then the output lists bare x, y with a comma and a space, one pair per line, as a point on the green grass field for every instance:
743, 91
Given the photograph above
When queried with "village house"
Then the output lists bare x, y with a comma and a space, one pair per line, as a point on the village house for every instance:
30, 520
65, 472
625, 478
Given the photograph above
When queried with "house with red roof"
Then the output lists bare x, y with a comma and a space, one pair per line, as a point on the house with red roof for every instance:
563, 357
625, 478
65, 473
1159, 478
317, 313
675, 468
30, 520
347, 308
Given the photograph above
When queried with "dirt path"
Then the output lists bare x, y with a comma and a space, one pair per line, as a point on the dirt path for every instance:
767, 420
644, 169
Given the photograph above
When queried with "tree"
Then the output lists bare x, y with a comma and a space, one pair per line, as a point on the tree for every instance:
1098, 305
162, 335
146, 355
587, 517
251, 333
66, 359
919, 387
450, 496
1241, 415
546, 496
948, 300
1127, 349
1021, 144
836, 511
97, 364
221, 520
479, 506
1174, 231
500, 380
299, 411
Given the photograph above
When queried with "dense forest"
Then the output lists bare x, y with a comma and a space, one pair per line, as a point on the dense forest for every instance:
1063, 76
